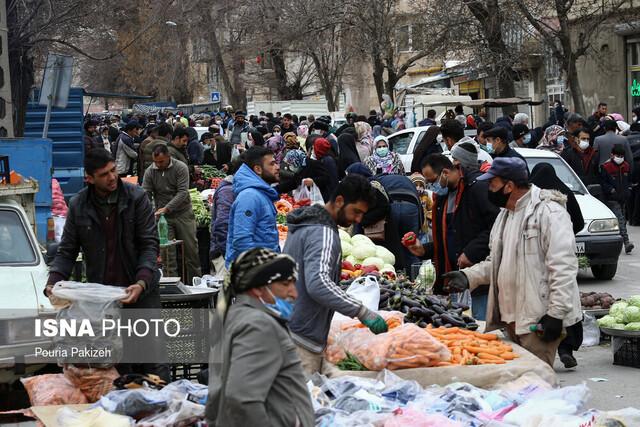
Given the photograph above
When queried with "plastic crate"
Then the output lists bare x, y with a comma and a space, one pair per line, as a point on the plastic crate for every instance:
5, 172
186, 371
193, 340
626, 351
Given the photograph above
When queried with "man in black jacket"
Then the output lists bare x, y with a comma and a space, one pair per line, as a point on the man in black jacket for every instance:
217, 151
498, 137
462, 218
112, 222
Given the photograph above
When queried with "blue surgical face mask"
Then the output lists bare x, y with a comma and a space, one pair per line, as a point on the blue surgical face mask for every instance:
439, 189
562, 140
282, 307
527, 139
382, 151
489, 147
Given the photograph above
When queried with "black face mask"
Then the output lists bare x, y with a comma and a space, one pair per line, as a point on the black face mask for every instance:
498, 198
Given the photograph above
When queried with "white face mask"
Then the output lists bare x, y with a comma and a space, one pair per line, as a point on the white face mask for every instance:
618, 160
277, 132
584, 144
317, 132
634, 118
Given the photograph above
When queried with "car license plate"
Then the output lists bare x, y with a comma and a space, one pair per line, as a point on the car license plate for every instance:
580, 248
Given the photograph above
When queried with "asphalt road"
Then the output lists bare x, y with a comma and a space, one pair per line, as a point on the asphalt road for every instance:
620, 390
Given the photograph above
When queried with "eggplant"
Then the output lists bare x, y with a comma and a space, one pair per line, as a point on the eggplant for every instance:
472, 326
454, 320
448, 325
405, 309
459, 305
438, 309
422, 324
437, 323
410, 302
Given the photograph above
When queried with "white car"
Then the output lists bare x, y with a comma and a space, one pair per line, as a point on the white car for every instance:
23, 274
600, 239
406, 141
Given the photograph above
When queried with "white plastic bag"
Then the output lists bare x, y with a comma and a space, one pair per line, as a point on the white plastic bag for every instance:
367, 290
315, 195
90, 292
301, 193
590, 331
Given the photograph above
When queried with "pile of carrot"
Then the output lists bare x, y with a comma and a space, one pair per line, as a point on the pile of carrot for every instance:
472, 348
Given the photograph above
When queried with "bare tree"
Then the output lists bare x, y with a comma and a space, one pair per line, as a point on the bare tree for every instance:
569, 28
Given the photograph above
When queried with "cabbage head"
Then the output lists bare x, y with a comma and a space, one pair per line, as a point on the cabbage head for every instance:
634, 300
359, 239
607, 321
347, 248
386, 255
631, 314
617, 310
633, 326
363, 251
344, 236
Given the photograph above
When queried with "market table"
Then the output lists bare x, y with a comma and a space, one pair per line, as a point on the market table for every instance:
483, 376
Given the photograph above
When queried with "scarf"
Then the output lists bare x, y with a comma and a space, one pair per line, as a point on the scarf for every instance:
385, 163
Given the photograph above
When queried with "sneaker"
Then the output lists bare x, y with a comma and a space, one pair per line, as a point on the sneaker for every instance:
568, 361
628, 247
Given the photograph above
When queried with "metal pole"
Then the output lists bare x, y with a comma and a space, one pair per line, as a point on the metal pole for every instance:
54, 92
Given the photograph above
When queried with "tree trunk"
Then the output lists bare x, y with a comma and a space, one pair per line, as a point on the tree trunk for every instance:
22, 79
378, 76
280, 70
507, 89
574, 85
232, 92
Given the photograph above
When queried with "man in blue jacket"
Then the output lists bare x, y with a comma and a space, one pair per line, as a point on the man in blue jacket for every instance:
252, 222
314, 243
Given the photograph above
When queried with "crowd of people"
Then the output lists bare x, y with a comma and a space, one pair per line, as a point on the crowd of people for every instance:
479, 211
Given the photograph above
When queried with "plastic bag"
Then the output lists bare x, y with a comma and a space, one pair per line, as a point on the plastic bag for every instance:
562, 401
52, 389
315, 195
180, 412
90, 292
96, 417
301, 193
93, 302
138, 403
406, 346
366, 289
92, 382
590, 331
410, 418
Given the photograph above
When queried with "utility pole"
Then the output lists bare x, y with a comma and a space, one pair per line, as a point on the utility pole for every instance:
6, 103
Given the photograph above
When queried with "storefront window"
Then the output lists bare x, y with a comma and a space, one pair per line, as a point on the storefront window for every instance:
633, 73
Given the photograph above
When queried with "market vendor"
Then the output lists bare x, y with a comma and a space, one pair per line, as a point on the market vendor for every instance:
166, 182
256, 377
314, 242
112, 222
532, 267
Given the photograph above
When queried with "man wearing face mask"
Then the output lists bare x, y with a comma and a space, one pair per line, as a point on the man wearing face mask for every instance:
532, 266
614, 180
581, 156
462, 218
313, 241
256, 376
521, 136
498, 138
605, 143
252, 222
237, 128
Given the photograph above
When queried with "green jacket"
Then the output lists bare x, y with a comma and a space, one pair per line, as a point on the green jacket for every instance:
169, 188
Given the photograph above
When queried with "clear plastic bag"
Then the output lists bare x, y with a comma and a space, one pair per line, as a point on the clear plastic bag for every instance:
52, 389
301, 193
180, 413
93, 302
97, 417
137, 403
92, 382
406, 346
411, 418
590, 331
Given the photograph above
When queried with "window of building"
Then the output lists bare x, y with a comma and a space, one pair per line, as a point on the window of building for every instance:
266, 61
633, 74
404, 43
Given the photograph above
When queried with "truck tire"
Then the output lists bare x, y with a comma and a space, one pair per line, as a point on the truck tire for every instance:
604, 271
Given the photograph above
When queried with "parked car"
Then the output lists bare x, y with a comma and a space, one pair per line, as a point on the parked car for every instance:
600, 239
406, 141
23, 274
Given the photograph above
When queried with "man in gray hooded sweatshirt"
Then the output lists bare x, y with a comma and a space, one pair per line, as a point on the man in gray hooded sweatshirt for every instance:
313, 241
